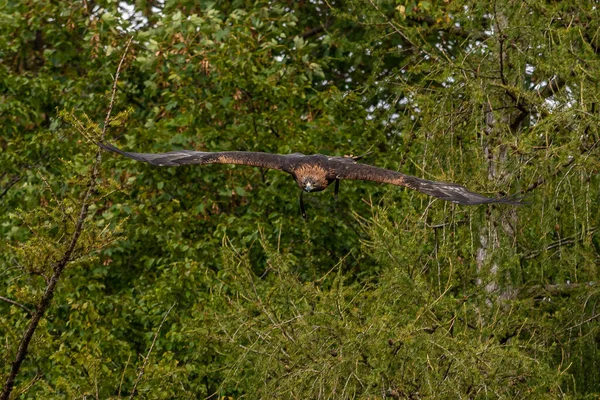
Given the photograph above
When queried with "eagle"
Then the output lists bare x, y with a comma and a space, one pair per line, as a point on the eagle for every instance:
314, 173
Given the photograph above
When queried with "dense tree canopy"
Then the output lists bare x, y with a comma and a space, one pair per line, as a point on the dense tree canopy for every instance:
205, 282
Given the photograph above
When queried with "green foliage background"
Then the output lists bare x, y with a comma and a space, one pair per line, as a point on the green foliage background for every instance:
382, 293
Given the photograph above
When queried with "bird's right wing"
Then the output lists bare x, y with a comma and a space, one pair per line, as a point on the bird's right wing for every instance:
183, 157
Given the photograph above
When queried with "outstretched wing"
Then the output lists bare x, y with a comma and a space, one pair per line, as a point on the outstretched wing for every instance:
445, 191
183, 157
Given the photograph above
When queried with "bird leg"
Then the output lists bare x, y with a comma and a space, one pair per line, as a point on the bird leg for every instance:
302, 210
336, 189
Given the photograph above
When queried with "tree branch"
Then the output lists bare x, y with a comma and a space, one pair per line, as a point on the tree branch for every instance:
11, 183
317, 30
557, 289
540, 181
139, 377
64, 260
562, 242
414, 47
553, 86
17, 177
14, 303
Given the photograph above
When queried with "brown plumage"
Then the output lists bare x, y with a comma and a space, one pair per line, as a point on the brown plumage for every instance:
316, 172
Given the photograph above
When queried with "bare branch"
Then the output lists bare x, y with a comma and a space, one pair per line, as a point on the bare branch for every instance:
14, 303
562, 242
139, 377
123, 376
552, 87
10, 184
414, 46
541, 180
58, 202
64, 260
593, 317
555, 289
316, 30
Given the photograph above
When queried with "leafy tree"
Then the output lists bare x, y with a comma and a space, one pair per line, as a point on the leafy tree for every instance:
206, 282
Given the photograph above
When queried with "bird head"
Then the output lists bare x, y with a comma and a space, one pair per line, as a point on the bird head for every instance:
311, 176
308, 185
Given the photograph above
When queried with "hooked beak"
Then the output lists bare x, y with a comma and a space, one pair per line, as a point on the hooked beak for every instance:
308, 187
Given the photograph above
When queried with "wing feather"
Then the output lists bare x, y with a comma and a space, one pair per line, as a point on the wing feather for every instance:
183, 157
442, 190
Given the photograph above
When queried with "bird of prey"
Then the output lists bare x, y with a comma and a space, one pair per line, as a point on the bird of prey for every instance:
314, 173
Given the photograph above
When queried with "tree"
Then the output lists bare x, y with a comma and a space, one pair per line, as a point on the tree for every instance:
205, 281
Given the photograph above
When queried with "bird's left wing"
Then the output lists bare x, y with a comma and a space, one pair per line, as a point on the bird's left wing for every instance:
183, 157
445, 191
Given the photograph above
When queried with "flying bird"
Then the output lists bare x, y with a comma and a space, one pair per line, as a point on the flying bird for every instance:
314, 173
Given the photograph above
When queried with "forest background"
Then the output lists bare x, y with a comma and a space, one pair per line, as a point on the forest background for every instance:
119, 279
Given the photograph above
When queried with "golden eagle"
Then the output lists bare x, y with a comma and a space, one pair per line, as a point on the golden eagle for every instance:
316, 172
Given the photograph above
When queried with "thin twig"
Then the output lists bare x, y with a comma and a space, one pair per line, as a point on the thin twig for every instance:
32, 382
10, 184
14, 303
551, 290
60, 205
561, 242
114, 91
593, 317
317, 30
139, 377
542, 180
59, 266
17, 177
402, 34
123, 376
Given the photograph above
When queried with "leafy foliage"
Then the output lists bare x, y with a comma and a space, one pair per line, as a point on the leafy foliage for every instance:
380, 293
